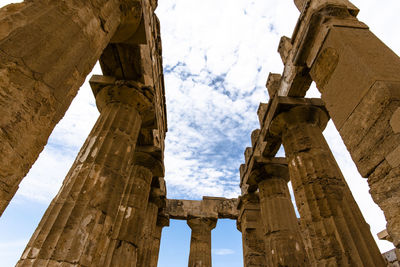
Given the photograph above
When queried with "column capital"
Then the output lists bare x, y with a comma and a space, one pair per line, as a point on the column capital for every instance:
248, 200
107, 90
162, 219
298, 114
249, 208
157, 197
202, 224
269, 168
146, 160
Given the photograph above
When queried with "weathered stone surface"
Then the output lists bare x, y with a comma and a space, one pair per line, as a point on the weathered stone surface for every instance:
338, 233
141, 61
252, 231
284, 49
283, 241
392, 257
385, 190
273, 83
268, 145
145, 249
209, 207
38, 81
95, 218
366, 73
162, 221
200, 241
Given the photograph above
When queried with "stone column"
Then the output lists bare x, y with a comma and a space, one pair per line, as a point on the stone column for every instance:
359, 80
156, 201
99, 203
38, 81
162, 221
283, 242
252, 231
127, 230
338, 233
200, 242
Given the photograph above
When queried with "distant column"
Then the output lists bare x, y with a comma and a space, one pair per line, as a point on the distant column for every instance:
47, 48
284, 245
97, 211
200, 242
338, 233
252, 231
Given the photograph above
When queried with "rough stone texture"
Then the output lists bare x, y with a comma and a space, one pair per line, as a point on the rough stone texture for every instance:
392, 257
162, 221
284, 245
337, 231
264, 145
38, 81
141, 60
209, 207
273, 83
95, 218
200, 241
156, 201
347, 60
252, 231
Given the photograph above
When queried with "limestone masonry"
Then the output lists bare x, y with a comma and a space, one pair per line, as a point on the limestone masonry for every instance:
112, 206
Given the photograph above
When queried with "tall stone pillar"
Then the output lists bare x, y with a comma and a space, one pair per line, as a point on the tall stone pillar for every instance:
156, 201
38, 81
162, 221
283, 242
338, 233
97, 211
252, 231
359, 80
200, 242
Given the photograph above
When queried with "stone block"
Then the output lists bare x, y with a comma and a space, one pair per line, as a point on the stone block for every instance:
273, 84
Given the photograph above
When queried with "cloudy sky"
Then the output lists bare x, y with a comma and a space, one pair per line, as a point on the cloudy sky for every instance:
217, 56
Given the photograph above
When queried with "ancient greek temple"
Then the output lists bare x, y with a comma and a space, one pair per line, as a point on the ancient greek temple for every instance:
112, 206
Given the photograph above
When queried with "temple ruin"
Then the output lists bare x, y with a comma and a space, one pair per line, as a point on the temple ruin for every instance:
112, 206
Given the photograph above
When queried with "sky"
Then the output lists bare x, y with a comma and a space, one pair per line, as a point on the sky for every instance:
217, 55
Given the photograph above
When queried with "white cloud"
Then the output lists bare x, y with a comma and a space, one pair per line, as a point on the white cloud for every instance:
223, 251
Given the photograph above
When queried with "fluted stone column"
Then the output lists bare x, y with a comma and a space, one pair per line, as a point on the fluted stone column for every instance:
156, 201
359, 80
283, 242
200, 241
47, 48
338, 233
251, 226
128, 228
95, 214
162, 221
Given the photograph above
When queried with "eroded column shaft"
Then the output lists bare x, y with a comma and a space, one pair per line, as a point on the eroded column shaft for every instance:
200, 241
250, 225
127, 229
359, 80
47, 48
284, 244
101, 189
338, 233
162, 221
150, 219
